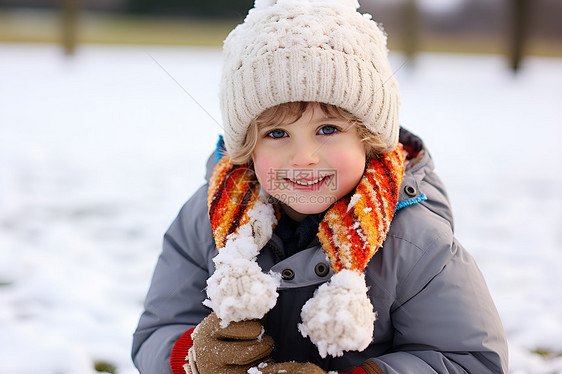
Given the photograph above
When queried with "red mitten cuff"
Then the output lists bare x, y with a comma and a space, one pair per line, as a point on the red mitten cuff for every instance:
179, 352
368, 367
355, 371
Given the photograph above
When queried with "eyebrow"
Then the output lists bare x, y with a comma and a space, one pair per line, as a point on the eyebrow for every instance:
328, 118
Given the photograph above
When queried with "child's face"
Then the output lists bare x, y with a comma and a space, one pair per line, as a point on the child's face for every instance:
309, 164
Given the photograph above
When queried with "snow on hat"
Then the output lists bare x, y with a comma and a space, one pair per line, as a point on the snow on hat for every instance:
339, 317
308, 50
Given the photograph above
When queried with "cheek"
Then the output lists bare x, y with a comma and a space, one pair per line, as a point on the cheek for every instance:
349, 160
350, 166
348, 155
264, 164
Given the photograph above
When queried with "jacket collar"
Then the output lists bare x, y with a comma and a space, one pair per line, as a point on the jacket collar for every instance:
418, 162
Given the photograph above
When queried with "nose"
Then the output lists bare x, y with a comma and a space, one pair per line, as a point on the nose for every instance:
304, 153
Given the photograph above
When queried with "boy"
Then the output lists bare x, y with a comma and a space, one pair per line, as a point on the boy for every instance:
323, 241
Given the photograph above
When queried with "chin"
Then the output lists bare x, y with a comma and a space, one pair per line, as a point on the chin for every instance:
310, 209
301, 205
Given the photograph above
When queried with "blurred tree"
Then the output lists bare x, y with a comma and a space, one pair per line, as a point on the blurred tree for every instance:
519, 31
411, 28
216, 8
69, 29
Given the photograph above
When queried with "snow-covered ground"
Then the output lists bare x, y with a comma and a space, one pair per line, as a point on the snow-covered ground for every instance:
99, 151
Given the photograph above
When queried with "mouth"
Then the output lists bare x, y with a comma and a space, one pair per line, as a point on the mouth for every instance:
305, 182
308, 184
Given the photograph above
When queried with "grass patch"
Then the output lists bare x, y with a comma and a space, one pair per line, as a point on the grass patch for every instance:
104, 367
45, 27
546, 353
154, 31
477, 44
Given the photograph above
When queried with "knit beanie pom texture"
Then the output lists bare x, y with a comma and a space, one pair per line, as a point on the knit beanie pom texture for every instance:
308, 50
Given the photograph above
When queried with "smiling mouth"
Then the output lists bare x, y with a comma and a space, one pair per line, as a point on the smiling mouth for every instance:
308, 183
311, 182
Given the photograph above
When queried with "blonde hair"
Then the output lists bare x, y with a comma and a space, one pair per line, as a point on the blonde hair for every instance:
291, 112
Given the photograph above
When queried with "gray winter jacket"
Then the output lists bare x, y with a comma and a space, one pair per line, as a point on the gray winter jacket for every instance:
435, 313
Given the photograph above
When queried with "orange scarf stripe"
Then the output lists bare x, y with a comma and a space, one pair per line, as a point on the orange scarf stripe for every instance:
324, 233
338, 245
365, 229
231, 195
218, 211
370, 222
357, 248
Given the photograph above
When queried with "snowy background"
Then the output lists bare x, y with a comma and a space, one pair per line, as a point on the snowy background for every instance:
98, 153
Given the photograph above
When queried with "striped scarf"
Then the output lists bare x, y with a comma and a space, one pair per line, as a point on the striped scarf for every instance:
339, 317
353, 228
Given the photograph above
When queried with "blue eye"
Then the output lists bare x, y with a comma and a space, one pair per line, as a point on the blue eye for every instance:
277, 134
327, 130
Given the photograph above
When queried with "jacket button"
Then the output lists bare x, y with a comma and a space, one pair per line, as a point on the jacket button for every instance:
321, 269
410, 190
287, 274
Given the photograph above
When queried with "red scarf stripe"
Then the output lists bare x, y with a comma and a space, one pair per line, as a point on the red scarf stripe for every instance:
397, 168
363, 249
391, 167
383, 204
240, 203
224, 216
216, 200
326, 234
247, 200
341, 223
378, 190
393, 170
237, 188
357, 245
326, 237
379, 187
371, 221
366, 219
230, 197
347, 249
393, 162
216, 191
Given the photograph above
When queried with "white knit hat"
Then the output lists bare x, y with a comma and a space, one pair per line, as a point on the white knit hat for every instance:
308, 50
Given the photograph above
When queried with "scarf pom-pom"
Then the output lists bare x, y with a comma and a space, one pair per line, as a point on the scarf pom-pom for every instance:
239, 290
340, 316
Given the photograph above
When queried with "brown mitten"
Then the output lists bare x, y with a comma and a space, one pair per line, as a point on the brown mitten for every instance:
287, 368
230, 350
